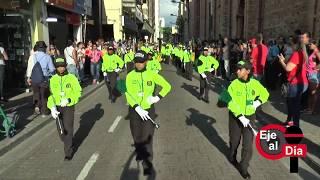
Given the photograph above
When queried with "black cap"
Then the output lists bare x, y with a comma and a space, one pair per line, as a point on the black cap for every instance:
140, 57
244, 64
60, 62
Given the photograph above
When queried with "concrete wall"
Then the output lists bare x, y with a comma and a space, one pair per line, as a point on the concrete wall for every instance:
277, 17
114, 16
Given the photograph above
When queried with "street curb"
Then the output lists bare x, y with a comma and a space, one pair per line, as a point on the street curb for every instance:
45, 122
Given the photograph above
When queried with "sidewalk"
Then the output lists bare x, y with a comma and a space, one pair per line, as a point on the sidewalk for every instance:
27, 123
274, 112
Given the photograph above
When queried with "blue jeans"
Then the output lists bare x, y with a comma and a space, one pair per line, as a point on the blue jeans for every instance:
314, 78
294, 102
72, 69
81, 71
95, 70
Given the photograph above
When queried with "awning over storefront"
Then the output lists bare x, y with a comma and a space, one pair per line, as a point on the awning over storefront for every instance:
147, 27
130, 24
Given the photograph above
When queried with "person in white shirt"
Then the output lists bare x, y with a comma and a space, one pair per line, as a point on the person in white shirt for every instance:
3, 58
70, 54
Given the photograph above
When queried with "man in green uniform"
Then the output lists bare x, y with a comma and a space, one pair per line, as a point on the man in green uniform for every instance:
111, 65
128, 59
187, 64
179, 54
65, 93
153, 63
175, 53
140, 84
206, 65
247, 94
145, 48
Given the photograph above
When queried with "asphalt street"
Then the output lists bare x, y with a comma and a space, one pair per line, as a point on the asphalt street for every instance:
191, 143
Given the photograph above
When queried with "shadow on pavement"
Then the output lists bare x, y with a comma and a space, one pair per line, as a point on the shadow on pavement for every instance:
133, 173
193, 90
130, 173
304, 174
279, 103
204, 124
87, 121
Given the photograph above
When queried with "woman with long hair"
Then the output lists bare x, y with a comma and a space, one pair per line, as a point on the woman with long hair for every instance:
53, 51
297, 78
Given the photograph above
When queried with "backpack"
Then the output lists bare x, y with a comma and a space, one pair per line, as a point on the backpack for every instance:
37, 76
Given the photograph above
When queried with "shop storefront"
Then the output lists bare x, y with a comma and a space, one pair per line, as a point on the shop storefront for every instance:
130, 28
15, 30
68, 15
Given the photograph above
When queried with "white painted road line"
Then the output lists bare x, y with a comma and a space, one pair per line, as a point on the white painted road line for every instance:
114, 125
85, 171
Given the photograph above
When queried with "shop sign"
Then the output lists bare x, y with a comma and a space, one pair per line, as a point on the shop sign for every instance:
66, 4
73, 19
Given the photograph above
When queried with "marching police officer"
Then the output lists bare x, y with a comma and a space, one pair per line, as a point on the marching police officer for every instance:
206, 65
112, 64
128, 59
247, 94
153, 63
140, 85
187, 64
65, 93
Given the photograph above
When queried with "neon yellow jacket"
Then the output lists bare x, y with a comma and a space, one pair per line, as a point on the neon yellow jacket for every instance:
64, 87
129, 57
170, 48
186, 57
111, 62
164, 50
175, 51
154, 65
141, 85
205, 63
243, 94
145, 49
180, 54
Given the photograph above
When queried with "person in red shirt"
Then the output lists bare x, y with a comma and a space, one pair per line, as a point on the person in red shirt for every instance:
298, 82
258, 57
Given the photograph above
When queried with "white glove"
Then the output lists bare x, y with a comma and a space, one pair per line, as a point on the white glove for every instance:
117, 70
244, 121
203, 75
157, 71
64, 102
142, 113
212, 69
105, 74
153, 99
54, 112
256, 104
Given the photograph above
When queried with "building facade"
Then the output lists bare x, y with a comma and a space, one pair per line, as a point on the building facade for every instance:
245, 18
23, 23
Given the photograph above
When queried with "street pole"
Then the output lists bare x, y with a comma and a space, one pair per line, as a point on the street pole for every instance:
85, 29
100, 18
